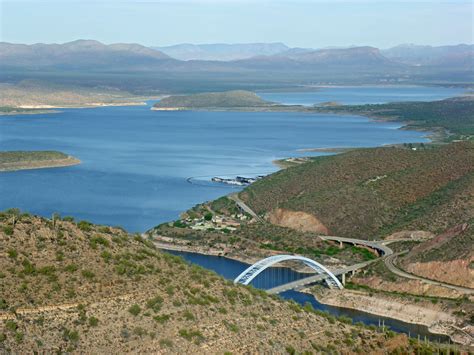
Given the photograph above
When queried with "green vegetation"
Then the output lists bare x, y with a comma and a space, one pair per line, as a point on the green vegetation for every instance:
455, 115
17, 160
135, 310
131, 288
369, 193
228, 99
26, 156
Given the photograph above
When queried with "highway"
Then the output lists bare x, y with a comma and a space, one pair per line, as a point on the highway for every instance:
235, 197
386, 253
390, 263
312, 279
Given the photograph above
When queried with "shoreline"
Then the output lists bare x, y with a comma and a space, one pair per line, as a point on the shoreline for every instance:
437, 322
43, 108
45, 164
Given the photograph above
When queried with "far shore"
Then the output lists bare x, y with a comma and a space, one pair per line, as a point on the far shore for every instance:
45, 108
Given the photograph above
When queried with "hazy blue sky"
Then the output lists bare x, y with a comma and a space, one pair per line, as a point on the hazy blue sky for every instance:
303, 23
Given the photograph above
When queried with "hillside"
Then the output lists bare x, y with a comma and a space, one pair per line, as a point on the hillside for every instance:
21, 160
454, 115
228, 99
78, 287
448, 257
371, 193
78, 54
30, 95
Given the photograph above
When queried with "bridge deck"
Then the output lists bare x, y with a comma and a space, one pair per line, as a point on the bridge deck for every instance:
312, 279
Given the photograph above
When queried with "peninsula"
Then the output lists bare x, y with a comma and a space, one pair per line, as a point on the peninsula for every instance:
236, 99
24, 160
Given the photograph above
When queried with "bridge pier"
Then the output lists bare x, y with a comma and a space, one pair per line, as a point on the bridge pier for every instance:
340, 245
343, 279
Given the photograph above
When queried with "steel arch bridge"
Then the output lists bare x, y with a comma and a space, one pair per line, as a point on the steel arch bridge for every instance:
252, 271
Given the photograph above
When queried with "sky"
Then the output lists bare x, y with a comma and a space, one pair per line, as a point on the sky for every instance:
297, 23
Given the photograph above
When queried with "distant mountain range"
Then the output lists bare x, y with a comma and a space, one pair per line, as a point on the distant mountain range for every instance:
222, 51
461, 55
361, 57
140, 69
86, 53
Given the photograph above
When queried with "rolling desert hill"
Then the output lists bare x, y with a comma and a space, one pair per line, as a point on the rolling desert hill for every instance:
448, 257
371, 193
78, 287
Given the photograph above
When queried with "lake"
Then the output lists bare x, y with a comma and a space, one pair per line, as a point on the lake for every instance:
136, 163
358, 95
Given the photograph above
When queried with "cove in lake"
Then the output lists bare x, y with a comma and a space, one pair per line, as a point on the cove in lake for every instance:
274, 276
136, 162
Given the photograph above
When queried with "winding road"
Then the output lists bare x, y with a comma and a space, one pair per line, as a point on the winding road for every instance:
386, 252
390, 263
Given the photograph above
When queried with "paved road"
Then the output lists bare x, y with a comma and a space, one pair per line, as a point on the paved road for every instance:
379, 246
390, 263
309, 280
242, 205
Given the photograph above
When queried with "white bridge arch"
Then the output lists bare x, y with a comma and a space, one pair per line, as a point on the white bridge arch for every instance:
252, 271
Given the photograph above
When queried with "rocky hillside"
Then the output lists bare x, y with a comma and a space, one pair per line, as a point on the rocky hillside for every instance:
370, 193
78, 287
449, 257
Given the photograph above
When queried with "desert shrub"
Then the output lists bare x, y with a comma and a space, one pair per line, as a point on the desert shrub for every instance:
188, 315
166, 343
84, 226
8, 230
71, 268
70, 335
93, 321
87, 274
11, 325
155, 303
19, 337
106, 255
191, 334
98, 240
135, 309
162, 318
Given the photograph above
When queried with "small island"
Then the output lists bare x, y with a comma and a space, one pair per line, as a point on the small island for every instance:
236, 99
24, 160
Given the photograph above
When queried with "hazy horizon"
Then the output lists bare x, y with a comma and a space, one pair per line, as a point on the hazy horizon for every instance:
303, 23
238, 43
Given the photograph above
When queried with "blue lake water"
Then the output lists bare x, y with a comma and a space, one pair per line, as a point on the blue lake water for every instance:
351, 95
136, 162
